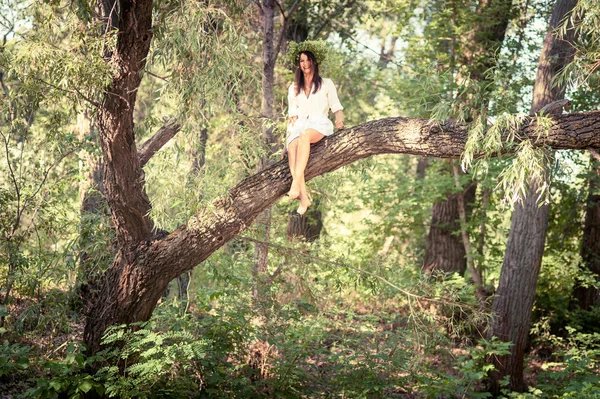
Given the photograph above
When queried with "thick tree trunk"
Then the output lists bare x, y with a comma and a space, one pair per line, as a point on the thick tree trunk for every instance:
586, 297
305, 227
445, 250
516, 290
525, 247
123, 176
129, 293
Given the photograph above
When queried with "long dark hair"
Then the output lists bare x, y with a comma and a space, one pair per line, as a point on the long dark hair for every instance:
299, 78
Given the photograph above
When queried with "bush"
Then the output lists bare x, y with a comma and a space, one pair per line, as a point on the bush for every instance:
152, 363
13, 357
67, 377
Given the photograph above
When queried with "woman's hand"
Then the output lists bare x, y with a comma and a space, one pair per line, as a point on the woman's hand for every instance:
339, 124
293, 120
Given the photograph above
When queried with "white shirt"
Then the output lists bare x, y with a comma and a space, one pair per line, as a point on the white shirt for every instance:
316, 104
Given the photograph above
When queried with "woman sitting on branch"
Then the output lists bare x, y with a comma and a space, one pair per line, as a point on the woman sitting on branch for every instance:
310, 98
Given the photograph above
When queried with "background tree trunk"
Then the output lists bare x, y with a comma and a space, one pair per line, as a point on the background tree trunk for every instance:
585, 297
261, 251
516, 289
515, 294
445, 250
306, 227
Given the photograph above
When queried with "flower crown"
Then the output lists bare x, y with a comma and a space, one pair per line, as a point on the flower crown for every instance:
318, 47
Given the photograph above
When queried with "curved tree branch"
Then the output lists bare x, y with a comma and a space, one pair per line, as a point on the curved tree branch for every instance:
192, 243
135, 283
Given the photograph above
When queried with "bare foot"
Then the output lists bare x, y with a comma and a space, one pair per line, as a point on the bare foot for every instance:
294, 191
304, 204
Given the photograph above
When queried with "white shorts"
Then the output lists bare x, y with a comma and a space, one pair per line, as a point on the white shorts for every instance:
321, 124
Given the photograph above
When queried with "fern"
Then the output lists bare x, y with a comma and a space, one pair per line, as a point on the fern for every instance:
156, 362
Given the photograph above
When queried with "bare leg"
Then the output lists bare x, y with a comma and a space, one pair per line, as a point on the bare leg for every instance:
307, 137
292, 155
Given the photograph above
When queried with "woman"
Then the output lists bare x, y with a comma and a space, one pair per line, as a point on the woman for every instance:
310, 98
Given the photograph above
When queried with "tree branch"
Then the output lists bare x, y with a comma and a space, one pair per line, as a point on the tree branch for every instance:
308, 255
260, 9
330, 17
74, 91
212, 227
286, 18
156, 76
158, 140
594, 153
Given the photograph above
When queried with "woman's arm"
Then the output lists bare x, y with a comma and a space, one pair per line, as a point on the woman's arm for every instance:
335, 105
339, 119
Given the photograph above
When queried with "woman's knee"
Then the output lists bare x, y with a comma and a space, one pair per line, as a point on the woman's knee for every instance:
304, 135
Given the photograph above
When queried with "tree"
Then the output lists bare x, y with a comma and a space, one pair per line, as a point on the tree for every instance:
147, 261
513, 302
586, 295
586, 292
445, 250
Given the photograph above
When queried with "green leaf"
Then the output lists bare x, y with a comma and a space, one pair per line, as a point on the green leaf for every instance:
56, 385
85, 386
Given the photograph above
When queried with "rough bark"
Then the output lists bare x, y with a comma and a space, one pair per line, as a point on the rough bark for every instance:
584, 297
516, 289
445, 250
305, 227
123, 177
513, 303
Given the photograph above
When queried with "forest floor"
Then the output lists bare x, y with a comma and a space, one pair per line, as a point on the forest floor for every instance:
396, 354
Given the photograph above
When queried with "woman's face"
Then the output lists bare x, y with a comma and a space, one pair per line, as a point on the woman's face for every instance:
305, 63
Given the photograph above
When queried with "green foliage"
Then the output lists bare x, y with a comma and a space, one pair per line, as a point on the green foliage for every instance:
582, 72
152, 363
529, 161
574, 374
14, 358
319, 48
472, 369
67, 377
200, 48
